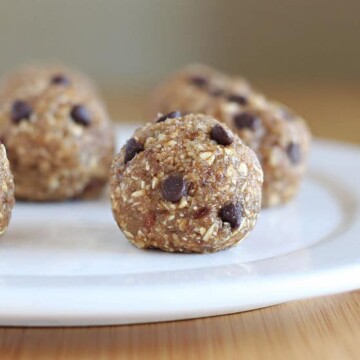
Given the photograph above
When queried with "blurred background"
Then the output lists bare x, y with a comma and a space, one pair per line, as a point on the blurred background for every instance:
303, 53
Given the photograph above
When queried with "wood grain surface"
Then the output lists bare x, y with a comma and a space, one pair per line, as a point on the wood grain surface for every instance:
323, 328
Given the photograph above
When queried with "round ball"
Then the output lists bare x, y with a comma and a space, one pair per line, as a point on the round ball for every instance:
7, 198
59, 142
176, 186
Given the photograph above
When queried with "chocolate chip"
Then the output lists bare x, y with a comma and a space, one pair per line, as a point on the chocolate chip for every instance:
170, 115
173, 188
246, 121
199, 81
81, 115
220, 135
132, 147
239, 99
294, 152
231, 214
198, 214
60, 79
20, 111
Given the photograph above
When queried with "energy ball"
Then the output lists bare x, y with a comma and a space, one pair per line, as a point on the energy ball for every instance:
59, 142
185, 184
280, 138
7, 198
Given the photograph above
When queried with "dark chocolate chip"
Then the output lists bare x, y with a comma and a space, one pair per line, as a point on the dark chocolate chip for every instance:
20, 111
170, 115
81, 115
60, 79
173, 188
294, 152
132, 147
239, 99
199, 81
231, 214
246, 121
198, 214
220, 135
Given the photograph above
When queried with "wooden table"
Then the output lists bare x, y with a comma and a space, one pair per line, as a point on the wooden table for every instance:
323, 328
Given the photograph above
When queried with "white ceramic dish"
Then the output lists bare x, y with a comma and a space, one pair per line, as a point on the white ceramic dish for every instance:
68, 264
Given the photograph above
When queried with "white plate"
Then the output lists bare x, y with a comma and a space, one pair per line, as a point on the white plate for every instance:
68, 264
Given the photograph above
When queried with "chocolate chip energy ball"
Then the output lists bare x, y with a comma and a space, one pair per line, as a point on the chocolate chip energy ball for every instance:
280, 138
59, 142
185, 184
7, 198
